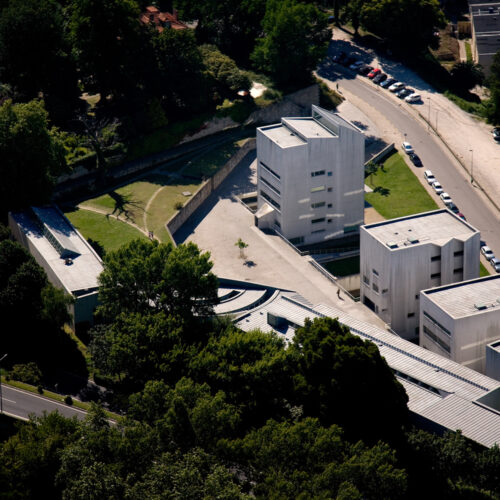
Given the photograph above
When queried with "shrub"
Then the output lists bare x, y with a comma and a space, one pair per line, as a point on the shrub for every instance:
68, 400
28, 373
178, 205
40, 389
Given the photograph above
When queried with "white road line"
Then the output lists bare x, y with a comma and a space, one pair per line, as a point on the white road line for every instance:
9, 400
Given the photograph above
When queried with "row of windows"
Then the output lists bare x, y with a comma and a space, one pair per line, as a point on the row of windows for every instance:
270, 200
271, 171
270, 186
322, 204
437, 340
318, 189
439, 325
318, 172
316, 221
458, 253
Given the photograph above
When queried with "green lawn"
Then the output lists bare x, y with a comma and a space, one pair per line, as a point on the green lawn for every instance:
482, 270
468, 51
109, 232
209, 163
407, 196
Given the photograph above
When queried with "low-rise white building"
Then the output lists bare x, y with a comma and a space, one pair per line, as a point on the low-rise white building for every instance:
401, 257
493, 360
67, 258
459, 320
310, 177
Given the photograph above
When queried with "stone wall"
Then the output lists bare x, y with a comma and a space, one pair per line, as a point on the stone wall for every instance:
207, 188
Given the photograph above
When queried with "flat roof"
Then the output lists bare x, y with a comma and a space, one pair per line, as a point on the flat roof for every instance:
438, 388
282, 135
428, 227
477, 296
308, 127
86, 266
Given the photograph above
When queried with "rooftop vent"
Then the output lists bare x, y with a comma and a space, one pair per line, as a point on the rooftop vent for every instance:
480, 306
392, 244
413, 240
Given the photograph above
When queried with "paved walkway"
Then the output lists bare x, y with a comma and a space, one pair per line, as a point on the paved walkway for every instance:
218, 224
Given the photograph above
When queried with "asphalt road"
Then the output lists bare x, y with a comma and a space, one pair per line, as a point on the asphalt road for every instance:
21, 404
471, 202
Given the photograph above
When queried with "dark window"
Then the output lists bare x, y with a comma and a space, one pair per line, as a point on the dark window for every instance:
277, 224
366, 280
329, 205
435, 275
435, 258
329, 190
439, 325
316, 221
269, 170
318, 205
417, 296
459, 270
458, 253
385, 290
318, 231
375, 272
411, 315
375, 287
329, 174
350, 229
317, 173
329, 221
270, 200
437, 340
270, 186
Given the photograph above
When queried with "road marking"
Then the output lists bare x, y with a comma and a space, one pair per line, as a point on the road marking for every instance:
9, 400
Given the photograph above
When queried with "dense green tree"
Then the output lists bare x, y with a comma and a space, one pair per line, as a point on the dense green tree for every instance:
296, 38
110, 45
31, 157
408, 24
231, 25
181, 83
222, 71
493, 82
466, 75
147, 276
30, 459
306, 460
242, 364
340, 376
35, 55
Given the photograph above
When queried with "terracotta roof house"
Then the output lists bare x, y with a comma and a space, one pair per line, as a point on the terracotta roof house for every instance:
161, 20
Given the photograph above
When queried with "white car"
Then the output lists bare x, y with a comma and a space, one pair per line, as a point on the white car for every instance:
495, 263
437, 187
487, 252
446, 198
407, 147
429, 177
413, 98
395, 87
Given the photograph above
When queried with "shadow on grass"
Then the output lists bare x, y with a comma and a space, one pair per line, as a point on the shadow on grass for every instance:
125, 205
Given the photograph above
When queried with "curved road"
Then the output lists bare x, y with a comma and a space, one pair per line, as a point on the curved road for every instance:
400, 117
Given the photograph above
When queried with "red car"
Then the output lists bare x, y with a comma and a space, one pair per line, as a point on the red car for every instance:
373, 73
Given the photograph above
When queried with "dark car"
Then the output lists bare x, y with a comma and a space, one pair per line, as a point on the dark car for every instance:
348, 61
405, 92
338, 58
415, 159
388, 82
380, 78
365, 69
496, 133
453, 208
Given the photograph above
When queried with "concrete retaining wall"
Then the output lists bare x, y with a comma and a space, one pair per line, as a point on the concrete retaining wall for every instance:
204, 191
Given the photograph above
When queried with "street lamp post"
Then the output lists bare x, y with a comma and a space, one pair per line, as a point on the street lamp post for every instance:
471, 165
1, 398
429, 115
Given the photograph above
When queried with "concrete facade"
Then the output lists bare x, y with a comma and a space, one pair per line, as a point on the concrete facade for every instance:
459, 320
401, 257
67, 258
493, 360
485, 26
310, 177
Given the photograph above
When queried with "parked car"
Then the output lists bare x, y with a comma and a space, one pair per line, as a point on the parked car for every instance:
388, 82
395, 87
415, 159
437, 187
451, 206
446, 198
407, 147
429, 177
496, 133
403, 93
348, 61
339, 57
364, 69
461, 215
355, 65
495, 264
487, 252
374, 72
380, 78
413, 98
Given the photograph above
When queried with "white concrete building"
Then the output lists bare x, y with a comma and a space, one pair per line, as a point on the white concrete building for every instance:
67, 258
310, 177
401, 257
459, 320
493, 360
